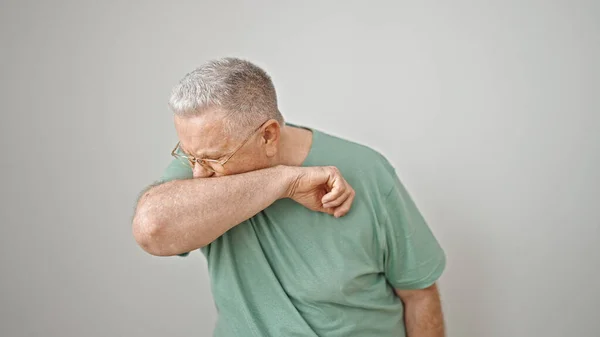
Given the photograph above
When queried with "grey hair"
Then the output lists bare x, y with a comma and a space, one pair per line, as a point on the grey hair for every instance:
243, 90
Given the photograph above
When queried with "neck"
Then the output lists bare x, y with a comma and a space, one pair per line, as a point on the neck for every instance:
295, 145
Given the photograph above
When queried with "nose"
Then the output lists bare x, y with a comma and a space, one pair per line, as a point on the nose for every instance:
201, 172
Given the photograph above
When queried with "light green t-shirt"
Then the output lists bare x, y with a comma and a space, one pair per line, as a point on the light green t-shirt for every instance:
289, 271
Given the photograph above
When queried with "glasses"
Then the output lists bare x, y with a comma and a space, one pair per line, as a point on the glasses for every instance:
212, 165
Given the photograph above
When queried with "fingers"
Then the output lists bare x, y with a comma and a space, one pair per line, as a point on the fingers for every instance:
337, 185
345, 207
339, 200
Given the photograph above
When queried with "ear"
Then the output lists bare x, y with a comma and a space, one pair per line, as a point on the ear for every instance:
271, 135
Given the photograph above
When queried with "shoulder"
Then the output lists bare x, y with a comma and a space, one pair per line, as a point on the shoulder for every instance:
176, 170
357, 161
359, 154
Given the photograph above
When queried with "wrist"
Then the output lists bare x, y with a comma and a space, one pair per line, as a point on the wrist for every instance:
288, 178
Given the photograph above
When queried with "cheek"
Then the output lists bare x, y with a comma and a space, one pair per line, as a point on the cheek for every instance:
246, 164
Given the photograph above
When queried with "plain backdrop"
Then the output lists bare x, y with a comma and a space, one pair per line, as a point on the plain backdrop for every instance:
489, 110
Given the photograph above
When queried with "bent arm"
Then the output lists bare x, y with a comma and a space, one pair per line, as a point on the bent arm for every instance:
183, 215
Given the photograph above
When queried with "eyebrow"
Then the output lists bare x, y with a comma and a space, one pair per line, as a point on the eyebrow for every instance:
212, 155
209, 154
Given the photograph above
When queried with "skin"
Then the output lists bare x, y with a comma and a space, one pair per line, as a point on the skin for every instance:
183, 215
423, 315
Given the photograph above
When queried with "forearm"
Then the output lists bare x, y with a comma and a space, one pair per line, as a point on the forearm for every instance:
423, 315
183, 215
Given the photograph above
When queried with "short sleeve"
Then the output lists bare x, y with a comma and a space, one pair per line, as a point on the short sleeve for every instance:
412, 258
176, 170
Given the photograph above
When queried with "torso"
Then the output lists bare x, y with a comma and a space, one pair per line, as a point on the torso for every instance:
289, 271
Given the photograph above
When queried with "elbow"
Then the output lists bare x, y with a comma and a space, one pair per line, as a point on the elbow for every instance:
153, 236
147, 229
156, 234
149, 233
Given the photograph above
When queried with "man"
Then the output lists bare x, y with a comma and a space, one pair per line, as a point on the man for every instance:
305, 234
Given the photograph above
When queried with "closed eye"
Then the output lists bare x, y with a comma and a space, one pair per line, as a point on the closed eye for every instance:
219, 159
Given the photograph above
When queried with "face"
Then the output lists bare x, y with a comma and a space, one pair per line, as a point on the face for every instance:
205, 137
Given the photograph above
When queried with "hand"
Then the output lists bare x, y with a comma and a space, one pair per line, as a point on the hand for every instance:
322, 189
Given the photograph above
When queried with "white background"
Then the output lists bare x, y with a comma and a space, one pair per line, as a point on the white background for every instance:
490, 111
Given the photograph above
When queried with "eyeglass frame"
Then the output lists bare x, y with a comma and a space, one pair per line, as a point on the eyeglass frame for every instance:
204, 162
